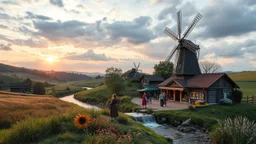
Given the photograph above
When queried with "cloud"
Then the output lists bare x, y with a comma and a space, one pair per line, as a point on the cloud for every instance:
89, 55
25, 30
60, 30
3, 26
227, 19
30, 15
58, 3
135, 31
5, 47
5, 16
170, 10
33, 43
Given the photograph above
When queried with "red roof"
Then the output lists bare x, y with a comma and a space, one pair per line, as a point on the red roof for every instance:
199, 81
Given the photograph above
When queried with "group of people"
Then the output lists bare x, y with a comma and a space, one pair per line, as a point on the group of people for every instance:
147, 98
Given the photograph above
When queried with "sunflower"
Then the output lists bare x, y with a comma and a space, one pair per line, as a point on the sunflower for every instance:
81, 121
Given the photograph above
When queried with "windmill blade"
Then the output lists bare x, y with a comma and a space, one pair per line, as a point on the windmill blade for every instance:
171, 34
171, 54
192, 25
179, 23
138, 65
134, 65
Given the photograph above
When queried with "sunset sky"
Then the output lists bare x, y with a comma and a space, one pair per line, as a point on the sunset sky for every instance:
92, 35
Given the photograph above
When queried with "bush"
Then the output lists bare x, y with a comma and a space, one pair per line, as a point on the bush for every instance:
237, 131
105, 112
135, 80
236, 96
191, 107
226, 102
39, 88
122, 119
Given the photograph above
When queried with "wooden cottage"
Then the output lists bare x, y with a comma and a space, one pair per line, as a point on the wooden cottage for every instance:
151, 81
207, 87
20, 87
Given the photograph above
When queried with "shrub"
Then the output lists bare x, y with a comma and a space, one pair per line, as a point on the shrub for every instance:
236, 96
122, 119
226, 102
191, 107
94, 113
39, 88
135, 80
237, 131
105, 112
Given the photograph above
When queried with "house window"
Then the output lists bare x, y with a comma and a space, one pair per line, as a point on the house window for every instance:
197, 95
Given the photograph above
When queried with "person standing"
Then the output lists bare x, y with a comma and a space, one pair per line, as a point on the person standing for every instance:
144, 101
161, 99
113, 107
165, 99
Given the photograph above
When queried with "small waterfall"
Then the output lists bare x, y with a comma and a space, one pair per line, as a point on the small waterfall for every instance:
145, 119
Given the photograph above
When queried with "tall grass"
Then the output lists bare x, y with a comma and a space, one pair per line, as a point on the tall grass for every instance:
235, 131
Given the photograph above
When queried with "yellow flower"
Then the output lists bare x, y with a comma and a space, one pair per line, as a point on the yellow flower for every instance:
81, 121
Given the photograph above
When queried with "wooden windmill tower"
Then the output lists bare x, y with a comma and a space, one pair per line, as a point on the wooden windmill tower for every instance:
187, 53
136, 69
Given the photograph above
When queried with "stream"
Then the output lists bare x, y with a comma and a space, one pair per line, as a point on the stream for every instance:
149, 121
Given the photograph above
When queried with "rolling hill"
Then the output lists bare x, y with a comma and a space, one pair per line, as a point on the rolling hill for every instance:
243, 76
40, 75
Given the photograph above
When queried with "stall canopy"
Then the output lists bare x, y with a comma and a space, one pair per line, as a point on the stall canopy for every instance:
149, 89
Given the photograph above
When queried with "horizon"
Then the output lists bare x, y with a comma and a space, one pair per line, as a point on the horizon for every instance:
94, 35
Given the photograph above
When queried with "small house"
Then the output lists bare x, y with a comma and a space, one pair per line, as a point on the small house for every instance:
207, 87
20, 87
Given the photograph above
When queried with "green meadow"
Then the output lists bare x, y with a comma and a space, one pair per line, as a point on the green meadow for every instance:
46, 119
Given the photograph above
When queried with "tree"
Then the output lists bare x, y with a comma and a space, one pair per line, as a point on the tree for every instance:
114, 80
28, 81
98, 77
163, 69
210, 67
39, 88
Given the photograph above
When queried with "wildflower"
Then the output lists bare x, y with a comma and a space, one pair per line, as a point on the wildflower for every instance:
81, 121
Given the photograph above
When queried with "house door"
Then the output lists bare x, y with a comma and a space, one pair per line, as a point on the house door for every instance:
218, 95
177, 95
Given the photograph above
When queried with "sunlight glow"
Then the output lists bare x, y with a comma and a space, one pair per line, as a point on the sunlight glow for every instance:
50, 59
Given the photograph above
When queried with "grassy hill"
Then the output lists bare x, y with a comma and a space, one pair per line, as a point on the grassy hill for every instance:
243, 76
76, 86
6, 80
45, 119
246, 81
22, 72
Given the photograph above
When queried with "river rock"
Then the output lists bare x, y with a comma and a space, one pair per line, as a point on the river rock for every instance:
169, 139
186, 122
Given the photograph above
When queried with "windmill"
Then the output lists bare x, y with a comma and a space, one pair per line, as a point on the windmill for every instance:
136, 69
187, 53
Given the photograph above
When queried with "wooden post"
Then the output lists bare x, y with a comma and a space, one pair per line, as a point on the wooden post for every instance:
174, 95
180, 95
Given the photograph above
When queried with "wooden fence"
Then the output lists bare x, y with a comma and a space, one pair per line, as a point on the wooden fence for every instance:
250, 100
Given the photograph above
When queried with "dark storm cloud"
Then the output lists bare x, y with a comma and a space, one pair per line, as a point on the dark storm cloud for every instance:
135, 31
30, 15
227, 19
5, 47
89, 55
58, 3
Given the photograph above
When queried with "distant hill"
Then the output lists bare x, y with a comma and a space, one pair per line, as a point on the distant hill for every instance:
243, 76
6, 80
22, 72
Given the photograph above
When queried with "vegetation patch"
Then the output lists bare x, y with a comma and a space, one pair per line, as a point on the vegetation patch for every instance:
207, 116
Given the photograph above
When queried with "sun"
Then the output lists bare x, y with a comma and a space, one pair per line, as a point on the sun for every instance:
50, 59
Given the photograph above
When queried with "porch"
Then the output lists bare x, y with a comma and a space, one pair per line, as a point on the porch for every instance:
155, 105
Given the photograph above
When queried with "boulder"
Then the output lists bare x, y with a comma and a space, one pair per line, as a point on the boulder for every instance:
186, 122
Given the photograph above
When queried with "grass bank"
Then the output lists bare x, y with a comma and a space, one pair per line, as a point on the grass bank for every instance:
68, 88
207, 116
101, 97
45, 119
